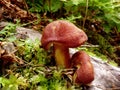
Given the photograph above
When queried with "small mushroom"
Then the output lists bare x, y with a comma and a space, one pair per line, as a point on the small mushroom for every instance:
84, 73
62, 35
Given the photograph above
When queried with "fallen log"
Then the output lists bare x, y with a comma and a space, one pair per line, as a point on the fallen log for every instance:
107, 77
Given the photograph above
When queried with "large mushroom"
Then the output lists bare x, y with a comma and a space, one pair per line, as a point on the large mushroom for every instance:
62, 35
84, 73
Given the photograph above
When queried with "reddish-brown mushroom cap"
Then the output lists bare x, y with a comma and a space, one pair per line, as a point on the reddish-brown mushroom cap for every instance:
63, 35
85, 72
63, 32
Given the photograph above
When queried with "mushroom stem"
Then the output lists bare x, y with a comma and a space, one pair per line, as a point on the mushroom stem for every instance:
62, 56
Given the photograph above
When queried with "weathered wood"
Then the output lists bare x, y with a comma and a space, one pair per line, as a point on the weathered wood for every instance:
25, 32
107, 77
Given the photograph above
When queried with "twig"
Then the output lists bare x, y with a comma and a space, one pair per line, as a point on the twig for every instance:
89, 45
86, 11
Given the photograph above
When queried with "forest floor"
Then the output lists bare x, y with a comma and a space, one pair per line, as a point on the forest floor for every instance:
32, 72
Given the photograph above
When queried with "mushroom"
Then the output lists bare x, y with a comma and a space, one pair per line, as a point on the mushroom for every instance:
84, 73
62, 35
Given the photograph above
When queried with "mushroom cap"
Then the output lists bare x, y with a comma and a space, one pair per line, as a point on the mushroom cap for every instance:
85, 72
63, 32
80, 58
